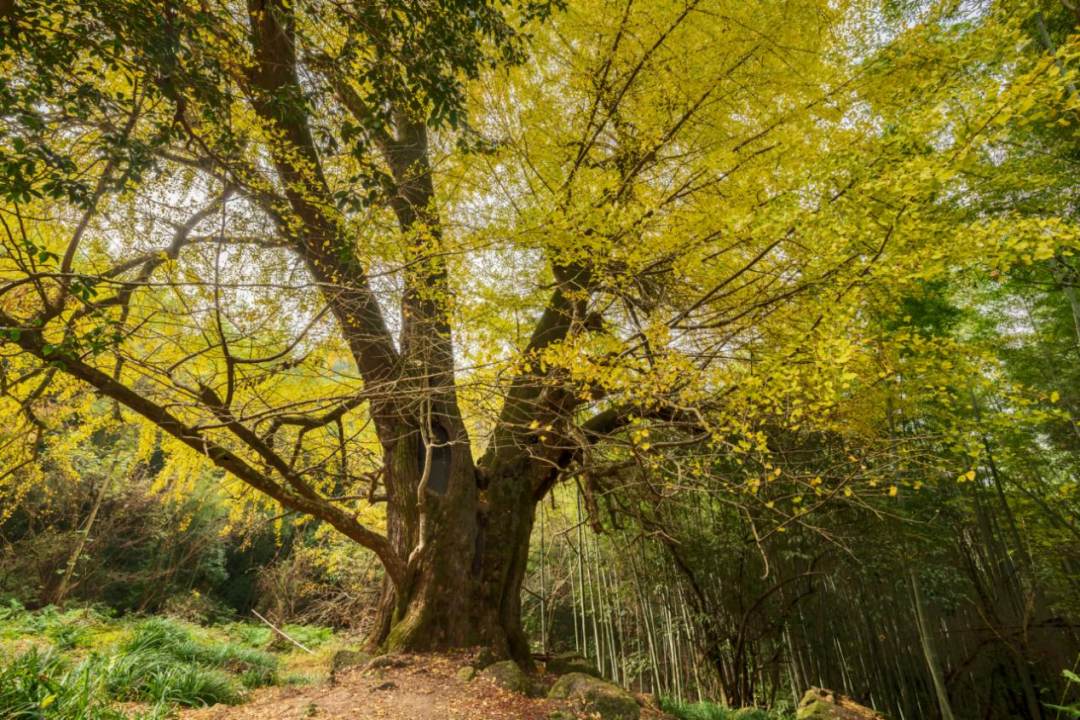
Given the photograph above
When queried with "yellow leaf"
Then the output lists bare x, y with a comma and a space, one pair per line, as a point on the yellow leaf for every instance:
892, 491
1055, 396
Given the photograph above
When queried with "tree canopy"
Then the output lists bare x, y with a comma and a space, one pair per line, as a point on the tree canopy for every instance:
405, 266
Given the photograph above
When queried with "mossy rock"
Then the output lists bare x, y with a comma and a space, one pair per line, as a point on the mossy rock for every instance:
605, 700
508, 675
348, 658
820, 704
571, 662
391, 660
485, 657
466, 673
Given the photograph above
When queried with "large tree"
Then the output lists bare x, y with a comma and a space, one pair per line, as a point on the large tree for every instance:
378, 254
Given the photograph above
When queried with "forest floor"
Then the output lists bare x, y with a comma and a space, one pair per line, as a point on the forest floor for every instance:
424, 689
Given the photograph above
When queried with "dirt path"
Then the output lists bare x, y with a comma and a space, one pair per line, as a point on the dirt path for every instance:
425, 689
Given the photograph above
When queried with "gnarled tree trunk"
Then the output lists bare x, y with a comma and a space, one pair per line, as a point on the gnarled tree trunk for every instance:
467, 552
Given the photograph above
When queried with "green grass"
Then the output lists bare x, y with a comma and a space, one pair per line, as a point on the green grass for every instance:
81, 664
171, 639
260, 635
711, 711
298, 678
38, 685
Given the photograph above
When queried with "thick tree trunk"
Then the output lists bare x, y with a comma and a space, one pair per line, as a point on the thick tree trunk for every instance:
454, 601
468, 552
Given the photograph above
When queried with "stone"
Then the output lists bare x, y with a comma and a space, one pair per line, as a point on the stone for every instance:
484, 657
348, 658
387, 661
388, 685
821, 704
466, 673
571, 662
508, 675
593, 695
345, 659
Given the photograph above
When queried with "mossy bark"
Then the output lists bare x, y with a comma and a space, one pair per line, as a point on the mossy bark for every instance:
468, 552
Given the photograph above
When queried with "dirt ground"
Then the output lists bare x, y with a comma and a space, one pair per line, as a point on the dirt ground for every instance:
424, 689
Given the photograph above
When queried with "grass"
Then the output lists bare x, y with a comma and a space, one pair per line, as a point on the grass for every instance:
711, 711
82, 664
37, 685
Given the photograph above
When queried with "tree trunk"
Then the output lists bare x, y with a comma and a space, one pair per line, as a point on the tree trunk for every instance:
929, 651
65, 582
467, 553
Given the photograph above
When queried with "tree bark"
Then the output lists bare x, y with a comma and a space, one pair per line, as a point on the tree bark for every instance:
464, 583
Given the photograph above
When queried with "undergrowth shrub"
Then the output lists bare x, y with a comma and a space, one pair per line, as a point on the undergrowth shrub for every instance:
36, 686
158, 661
189, 685
711, 711
169, 638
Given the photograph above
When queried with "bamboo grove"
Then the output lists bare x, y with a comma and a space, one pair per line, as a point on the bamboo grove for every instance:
732, 344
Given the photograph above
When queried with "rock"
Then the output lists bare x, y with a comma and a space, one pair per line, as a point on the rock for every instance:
508, 675
466, 673
571, 662
348, 658
820, 704
607, 701
388, 685
345, 659
484, 658
386, 661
